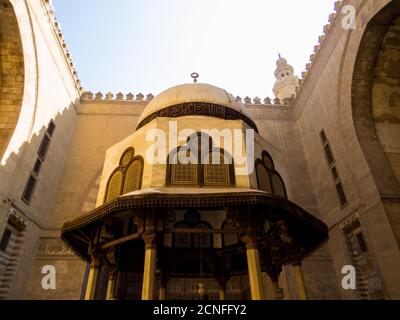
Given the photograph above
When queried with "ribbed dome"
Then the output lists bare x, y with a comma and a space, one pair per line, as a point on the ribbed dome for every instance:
192, 92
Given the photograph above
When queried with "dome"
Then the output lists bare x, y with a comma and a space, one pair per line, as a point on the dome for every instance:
195, 99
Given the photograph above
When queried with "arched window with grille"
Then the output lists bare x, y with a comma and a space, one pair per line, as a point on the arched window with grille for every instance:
229, 238
133, 175
268, 179
180, 172
263, 177
209, 166
127, 177
218, 170
114, 185
192, 240
278, 185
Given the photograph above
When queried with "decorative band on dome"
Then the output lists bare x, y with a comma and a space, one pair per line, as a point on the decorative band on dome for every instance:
198, 109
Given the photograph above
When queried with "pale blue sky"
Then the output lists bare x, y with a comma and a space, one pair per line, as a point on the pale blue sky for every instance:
150, 45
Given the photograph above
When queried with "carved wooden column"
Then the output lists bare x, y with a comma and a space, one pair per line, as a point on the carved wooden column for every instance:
149, 272
222, 292
298, 274
253, 262
274, 269
93, 277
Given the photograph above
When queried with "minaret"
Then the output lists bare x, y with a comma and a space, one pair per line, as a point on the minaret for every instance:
286, 82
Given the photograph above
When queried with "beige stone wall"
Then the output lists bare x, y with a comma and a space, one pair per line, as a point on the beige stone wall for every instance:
11, 73
72, 176
46, 95
325, 103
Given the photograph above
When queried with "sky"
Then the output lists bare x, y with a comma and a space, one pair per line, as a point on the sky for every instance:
148, 46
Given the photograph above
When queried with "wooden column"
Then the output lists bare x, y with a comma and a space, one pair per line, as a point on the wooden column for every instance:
253, 262
222, 291
111, 285
163, 293
298, 274
149, 272
93, 277
163, 288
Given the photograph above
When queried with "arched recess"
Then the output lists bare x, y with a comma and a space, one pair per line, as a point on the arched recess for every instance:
12, 73
375, 98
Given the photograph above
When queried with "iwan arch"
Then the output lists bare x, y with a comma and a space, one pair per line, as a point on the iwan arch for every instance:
324, 193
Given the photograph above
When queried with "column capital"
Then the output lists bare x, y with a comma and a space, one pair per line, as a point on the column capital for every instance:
250, 241
150, 240
297, 262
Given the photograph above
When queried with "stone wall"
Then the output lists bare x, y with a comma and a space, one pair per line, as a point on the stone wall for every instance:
46, 90
11, 73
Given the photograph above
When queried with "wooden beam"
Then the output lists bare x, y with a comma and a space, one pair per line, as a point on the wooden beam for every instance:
201, 230
113, 243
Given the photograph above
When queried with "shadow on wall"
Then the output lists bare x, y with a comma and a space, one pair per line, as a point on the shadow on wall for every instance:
28, 183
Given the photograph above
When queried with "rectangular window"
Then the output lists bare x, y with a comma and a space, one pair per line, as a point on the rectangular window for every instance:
50, 128
361, 242
44, 146
328, 154
323, 136
341, 194
5, 239
331, 163
37, 167
29, 188
335, 173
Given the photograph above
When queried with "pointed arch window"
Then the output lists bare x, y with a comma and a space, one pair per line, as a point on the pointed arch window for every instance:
195, 239
133, 176
114, 186
127, 177
268, 179
229, 239
198, 163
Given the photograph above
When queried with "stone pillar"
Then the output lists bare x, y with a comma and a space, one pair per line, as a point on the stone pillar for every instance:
149, 272
93, 277
298, 274
253, 262
111, 285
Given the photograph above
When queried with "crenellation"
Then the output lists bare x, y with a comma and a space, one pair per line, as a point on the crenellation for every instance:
338, 5
332, 17
57, 27
256, 100
109, 96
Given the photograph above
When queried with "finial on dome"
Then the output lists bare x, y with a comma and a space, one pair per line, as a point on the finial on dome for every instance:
279, 55
194, 75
